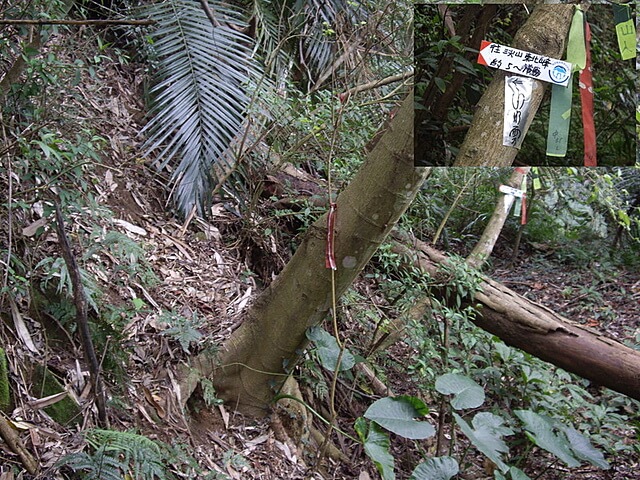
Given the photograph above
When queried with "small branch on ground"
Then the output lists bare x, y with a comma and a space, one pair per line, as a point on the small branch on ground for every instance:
80, 300
11, 438
377, 385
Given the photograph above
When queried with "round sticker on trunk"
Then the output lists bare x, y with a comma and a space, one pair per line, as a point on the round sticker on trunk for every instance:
559, 72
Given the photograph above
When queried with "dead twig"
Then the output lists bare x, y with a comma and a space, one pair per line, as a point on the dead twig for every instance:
11, 438
209, 13
377, 83
80, 300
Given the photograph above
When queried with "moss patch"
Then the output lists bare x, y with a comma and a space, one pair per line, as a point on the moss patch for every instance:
5, 399
66, 411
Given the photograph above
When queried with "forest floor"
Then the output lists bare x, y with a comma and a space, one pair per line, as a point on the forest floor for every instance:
591, 294
206, 272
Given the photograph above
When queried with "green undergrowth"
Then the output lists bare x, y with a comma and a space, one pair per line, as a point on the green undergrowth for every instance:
575, 216
493, 400
112, 454
5, 399
53, 151
506, 405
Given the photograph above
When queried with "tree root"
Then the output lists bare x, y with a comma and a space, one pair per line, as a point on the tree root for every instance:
293, 414
377, 385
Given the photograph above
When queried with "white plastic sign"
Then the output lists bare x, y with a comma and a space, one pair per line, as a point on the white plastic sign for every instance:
510, 191
517, 99
524, 63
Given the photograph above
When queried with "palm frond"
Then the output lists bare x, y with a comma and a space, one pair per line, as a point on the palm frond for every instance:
270, 36
328, 31
311, 34
201, 98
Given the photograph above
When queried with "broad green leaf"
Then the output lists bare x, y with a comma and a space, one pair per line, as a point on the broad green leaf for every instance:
361, 427
490, 428
503, 350
466, 392
622, 215
438, 468
329, 351
540, 431
583, 449
463, 61
398, 415
486, 435
420, 407
376, 447
514, 474
517, 474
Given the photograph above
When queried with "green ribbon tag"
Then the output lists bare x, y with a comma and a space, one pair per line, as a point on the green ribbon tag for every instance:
559, 120
576, 48
625, 30
537, 184
560, 114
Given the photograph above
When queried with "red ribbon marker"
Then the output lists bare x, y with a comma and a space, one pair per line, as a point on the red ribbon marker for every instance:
523, 216
586, 97
330, 259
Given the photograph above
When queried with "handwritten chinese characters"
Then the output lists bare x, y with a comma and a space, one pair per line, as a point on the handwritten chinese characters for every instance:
524, 63
517, 98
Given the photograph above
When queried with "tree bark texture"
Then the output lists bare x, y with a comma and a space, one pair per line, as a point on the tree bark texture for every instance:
482, 251
544, 33
539, 331
255, 358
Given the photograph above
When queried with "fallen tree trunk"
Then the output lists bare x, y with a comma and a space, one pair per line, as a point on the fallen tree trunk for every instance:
524, 324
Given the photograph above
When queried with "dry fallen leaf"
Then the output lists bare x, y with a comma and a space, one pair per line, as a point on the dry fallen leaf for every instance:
130, 227
21, 328
47, 401
30, 230
156, 401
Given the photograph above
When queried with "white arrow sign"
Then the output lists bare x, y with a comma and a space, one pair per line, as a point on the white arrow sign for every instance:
524, 63
511, 191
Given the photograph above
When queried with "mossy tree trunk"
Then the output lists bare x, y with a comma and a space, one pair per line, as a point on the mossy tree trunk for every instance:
544, 33
254, 359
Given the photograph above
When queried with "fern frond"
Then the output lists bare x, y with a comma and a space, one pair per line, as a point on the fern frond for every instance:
141, 455
99, 466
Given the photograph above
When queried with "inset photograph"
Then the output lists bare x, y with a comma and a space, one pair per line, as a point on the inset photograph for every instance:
518, 84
